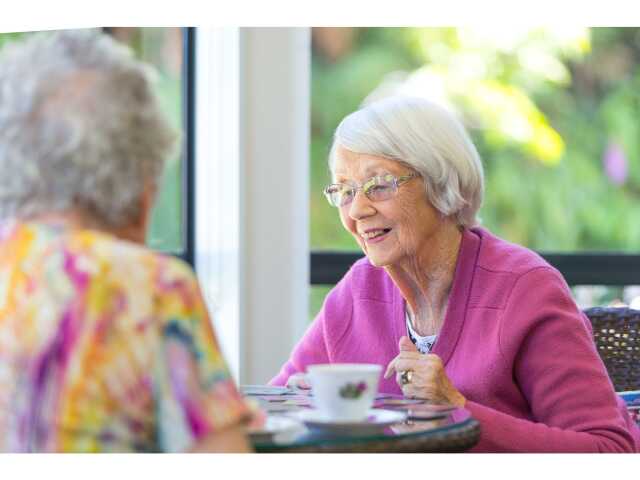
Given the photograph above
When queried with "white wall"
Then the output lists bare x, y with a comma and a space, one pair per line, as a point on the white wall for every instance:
252, 180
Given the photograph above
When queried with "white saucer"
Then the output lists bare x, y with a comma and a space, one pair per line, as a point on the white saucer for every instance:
376, 421
276, 428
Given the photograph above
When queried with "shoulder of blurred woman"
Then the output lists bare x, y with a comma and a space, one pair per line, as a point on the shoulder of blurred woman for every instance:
128, 261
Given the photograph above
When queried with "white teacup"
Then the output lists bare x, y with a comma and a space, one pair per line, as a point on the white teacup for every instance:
344, 391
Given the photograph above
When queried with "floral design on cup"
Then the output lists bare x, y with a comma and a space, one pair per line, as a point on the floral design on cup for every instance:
352, 390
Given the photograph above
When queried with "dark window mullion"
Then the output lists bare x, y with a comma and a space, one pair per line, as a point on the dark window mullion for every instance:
328, 267
188, 154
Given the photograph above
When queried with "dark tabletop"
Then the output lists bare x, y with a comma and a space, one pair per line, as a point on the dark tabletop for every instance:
454, 430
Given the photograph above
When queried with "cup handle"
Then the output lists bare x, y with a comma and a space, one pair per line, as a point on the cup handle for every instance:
299, 380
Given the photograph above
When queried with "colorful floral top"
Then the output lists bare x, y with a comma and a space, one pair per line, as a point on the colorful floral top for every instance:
104, 346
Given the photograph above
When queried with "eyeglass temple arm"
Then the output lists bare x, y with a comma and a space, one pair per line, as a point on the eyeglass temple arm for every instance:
404, 178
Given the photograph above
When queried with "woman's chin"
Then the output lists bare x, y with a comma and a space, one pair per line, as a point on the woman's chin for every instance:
377, 255
378, 260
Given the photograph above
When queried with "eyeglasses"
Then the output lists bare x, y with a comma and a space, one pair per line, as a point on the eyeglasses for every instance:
376, 189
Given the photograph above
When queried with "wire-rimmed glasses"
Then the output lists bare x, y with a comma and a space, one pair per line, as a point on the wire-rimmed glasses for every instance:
375, 189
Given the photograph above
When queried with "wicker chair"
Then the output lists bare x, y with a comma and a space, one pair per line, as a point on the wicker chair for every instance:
616, 332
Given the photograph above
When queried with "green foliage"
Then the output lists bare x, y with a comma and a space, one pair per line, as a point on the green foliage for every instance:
10, 37
165, 231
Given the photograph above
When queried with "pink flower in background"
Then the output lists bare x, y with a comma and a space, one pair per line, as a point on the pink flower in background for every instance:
615, 163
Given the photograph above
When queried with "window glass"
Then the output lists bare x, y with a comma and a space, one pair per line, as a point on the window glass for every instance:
606, 295
163, 48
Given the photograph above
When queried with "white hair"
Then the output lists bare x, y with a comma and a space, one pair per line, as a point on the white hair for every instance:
80, 128
426, 138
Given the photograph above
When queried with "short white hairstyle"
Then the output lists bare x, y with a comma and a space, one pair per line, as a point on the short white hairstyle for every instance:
425, 137
80, 128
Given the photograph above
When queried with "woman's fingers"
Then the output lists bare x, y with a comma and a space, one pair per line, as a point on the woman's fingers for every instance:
414, 361
429, 380
404, 356
402, 364
390, 368
414, 364
406, 345
411, 356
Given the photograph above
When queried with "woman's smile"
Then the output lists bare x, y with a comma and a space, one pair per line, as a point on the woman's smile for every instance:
375, 235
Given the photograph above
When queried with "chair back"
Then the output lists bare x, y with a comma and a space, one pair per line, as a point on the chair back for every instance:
616, 332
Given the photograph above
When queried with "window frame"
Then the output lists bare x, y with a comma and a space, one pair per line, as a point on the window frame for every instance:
588, 268
188, 153
253, 284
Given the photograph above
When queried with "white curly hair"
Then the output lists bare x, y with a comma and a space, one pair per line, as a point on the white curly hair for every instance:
80, 128
425, 137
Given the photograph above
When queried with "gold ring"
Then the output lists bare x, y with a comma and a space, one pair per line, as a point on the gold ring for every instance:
405, 377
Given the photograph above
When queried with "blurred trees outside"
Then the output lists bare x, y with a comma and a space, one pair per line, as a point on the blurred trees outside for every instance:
554, 114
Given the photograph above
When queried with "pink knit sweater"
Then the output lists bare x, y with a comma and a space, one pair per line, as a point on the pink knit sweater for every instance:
513, 342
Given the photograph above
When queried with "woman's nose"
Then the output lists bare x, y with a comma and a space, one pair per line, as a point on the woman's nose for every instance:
360, 206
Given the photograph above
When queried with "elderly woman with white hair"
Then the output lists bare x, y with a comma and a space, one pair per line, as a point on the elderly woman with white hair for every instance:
457, 315
105, 346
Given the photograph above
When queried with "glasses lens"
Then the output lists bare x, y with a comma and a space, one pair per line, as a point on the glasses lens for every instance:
380, 188
339, 195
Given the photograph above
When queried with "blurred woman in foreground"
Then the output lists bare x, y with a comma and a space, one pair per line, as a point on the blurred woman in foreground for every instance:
105, 346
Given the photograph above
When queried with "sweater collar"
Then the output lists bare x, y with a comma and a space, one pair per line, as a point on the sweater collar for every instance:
458, 299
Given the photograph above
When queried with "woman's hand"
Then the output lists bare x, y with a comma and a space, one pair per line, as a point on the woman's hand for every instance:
428, 378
